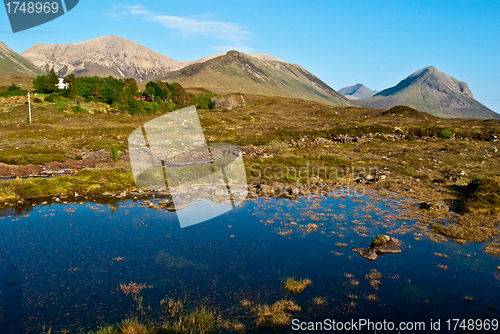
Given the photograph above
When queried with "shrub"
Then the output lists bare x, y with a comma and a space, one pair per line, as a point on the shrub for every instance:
79, 110
60, 105
150, 107
37, 100
445, 133
482, 195
51, 98
113, 152
277, 148
13, 90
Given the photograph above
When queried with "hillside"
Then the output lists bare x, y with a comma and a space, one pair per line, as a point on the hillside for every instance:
256, 74
433, 91
104, 56
13, 63
357, 91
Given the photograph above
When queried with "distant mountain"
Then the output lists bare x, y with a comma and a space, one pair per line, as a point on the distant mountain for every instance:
104, 56
432, 91
13, 63
255, 74
357, 91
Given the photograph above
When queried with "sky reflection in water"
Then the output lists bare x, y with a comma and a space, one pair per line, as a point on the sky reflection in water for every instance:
58, 263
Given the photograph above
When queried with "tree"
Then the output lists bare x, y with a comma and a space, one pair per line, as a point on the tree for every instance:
96, 93
70, 79
130, 87
73, 92
52, 81
180, 96
134, 107
40, 84
158, 90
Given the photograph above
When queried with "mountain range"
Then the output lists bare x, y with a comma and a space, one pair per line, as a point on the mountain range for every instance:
13, 63
357, 91
428, 89
220, 73
433, 91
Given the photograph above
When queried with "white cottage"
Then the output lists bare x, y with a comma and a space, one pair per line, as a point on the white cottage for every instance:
61, 84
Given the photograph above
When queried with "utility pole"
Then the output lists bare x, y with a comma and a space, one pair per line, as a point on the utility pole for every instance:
29, 105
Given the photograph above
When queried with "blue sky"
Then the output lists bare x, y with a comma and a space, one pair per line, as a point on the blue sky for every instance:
377, 43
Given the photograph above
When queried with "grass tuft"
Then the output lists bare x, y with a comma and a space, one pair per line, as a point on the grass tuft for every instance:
295, 287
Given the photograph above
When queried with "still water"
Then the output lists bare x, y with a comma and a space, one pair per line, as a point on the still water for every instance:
59, 267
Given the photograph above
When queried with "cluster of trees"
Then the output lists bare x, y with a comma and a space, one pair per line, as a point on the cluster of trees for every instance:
122, 94
46, 84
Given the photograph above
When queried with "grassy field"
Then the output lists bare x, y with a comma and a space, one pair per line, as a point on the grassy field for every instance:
402, 144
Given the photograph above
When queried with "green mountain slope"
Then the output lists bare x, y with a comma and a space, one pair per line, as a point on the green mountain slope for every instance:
238, 72
433, 91
13, 63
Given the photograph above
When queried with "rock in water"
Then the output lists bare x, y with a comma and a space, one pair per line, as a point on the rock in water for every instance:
367, 253
381, 245
434, 206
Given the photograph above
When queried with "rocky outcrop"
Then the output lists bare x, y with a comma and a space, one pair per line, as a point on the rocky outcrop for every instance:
381, 245
228, 102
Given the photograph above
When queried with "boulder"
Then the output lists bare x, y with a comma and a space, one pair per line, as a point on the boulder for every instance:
434, 206
265, 190
293, 190
179, 205
381, 245
164, 203
369, 177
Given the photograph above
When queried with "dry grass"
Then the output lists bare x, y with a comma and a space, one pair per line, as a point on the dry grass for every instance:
354, 282
375, 283
245, 303
493, 249
295, 287
276, 315
133, 288
233, 326
373, 275
172, 307
312, 227
319, 301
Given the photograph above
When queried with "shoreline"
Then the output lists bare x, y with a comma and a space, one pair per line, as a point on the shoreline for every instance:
443, 220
